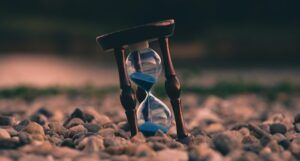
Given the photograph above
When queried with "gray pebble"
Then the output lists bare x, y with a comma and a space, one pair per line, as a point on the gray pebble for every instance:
94, 128
5, 121
278, 128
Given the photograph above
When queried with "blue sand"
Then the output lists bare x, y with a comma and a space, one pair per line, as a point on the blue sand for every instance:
149, 128
145, 81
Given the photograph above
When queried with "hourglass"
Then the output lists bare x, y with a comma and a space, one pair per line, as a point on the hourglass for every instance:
143, 67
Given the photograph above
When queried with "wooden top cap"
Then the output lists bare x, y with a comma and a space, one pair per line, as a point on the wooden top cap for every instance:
136, 34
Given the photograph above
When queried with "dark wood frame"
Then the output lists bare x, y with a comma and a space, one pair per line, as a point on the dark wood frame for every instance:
153, 31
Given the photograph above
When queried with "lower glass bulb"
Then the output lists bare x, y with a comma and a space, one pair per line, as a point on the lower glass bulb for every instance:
153, 115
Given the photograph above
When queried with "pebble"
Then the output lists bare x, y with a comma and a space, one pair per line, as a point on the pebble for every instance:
214, 128
39, 118
115, 141
44, 112
58, 128
34, 128
202, 151
4, 134
68, 143
174, 155
76, 129
157, 146
278, 128
108, 132
124, 125
93, 144
98, 118
6, 121
65, 152
143, 150
122, 133
8, 144
74, 122
22, 125
139, 138
225, 143
41, 149
12, 131
93, 128
25, 138
78, 113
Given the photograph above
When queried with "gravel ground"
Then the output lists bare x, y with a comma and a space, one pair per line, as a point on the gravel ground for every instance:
244, 127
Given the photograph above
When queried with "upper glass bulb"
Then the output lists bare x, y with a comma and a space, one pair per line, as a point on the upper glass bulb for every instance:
144, 67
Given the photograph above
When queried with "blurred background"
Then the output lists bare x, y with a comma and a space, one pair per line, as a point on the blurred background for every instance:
48, 43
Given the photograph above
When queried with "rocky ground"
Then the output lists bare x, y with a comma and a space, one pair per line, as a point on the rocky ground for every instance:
244, 127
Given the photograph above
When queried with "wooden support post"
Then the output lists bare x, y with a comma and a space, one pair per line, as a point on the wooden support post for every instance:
172, 86
127, 96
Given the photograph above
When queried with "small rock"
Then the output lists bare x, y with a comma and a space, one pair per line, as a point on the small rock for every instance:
55, 140
98, 118
25, 138
108, 132
58, 128
77, 113
12, 131
39, 118
41, 149
8, 144
34, 128
45, 112
37, 137
284, 143
115, 141
78, 137
197, 153
62, 152
4, 134
74, 122
174, 155
143, 150
214, 128
109, 125
22, 125
157, 146
124, 125
122, 133
278, 128
77, 129
15, 138
68, 143
227, 141
93, 128
138, 138
93, 144
6, 121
